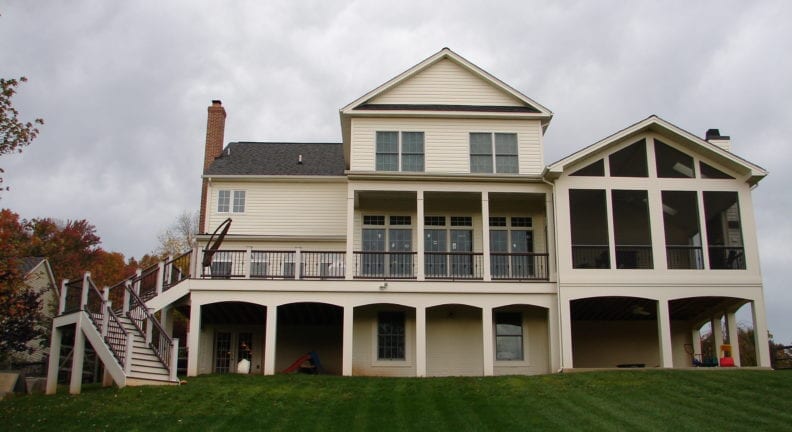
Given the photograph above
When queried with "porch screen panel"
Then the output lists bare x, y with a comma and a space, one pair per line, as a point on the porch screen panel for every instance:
631, 229
588, 215
682, 232
724, 230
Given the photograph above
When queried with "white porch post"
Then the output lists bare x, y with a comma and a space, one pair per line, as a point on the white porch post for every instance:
248, 261
695, 335
487, 345
717, 336
78, 357
62, 298
420, 341
350, 235
174, 359
160, 277
566, 334
760, 333
664, 334
54, 360
270, 340
419, 261
553, 332
346, 356
193, 337
550, 239
734, 339
485, 241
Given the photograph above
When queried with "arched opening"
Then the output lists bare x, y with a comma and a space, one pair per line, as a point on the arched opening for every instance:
232, 338
305, 328
614, 332
454, 341
384, 340
521, 340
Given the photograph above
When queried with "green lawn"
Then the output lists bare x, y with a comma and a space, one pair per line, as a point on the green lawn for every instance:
616, 400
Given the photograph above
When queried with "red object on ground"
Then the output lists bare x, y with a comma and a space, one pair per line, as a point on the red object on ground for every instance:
296, 365
727, 362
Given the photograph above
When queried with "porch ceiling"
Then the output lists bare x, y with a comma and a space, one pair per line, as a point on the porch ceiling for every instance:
233, 313
639, 309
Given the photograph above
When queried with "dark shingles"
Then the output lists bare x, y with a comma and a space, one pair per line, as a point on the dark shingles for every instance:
256, 158
29, 263
466, 108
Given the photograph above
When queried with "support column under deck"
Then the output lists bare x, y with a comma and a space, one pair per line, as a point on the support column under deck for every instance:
348, 330
270, 340
78, 358
487, 345
664, 334
193, 338
734, 339
420, 341
54, 360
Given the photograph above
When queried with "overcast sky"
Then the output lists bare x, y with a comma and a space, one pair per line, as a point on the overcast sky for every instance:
124, 86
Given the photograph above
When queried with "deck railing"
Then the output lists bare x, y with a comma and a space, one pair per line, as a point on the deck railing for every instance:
148, 325
270, 264
176, 270
519, 266
145, 283
590, 256
454, 265
385, 265
323, 265
684, 257
634, 256
727, 257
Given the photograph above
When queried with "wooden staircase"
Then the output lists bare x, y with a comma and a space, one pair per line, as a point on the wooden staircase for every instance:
145, 367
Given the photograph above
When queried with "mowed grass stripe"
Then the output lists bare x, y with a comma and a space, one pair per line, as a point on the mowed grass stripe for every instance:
618, 400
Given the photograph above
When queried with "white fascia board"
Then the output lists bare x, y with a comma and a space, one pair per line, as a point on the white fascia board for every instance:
274, 178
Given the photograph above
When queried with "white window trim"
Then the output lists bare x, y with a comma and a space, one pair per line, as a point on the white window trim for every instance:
399, 150
409, 330
525, 337
231, 196
494, 153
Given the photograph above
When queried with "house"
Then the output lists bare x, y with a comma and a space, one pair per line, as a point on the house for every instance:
434, 240
37, 275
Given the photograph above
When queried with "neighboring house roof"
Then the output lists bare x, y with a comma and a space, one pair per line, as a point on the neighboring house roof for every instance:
28, 264
38, 273
278, 159
752, 172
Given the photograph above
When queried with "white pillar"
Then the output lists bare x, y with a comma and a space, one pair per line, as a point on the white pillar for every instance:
54, 360
419, 261
160, 277
62, 298
554, 338
734, 338
486, 338
420, 341
550, 239
717, 336
78, 358
566, 334
193, 338
664, 334
270, 340
248, 261
760, 333
695, 336
485, 241
350, 233
347, 348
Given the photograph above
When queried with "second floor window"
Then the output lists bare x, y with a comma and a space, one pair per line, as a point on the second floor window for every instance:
493, 153
229, 201
400, 151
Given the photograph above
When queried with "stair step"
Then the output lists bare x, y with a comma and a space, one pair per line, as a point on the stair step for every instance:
150, 370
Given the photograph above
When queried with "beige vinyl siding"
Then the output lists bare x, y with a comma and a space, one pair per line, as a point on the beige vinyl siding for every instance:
447, 141
275, 208
446, 83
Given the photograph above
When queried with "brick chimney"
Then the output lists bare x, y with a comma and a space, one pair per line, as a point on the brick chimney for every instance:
714, 137
215, 130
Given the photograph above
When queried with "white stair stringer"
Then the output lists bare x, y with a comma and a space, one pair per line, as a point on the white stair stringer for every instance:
168, 297
146, 368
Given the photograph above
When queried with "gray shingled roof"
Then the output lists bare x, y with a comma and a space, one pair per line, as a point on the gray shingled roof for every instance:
257, 158
29, 263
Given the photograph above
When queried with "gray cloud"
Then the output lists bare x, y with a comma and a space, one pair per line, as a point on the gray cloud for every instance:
124, 87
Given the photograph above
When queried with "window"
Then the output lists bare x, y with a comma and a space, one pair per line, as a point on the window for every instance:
511, 247
588, 215
406, 154
629, 161
504, 150
390, 336
508, 336
387, 249
449, 249
231, 201
710, 172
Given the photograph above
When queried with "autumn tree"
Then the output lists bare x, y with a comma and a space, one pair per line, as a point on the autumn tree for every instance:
15, 134
20, 311
180, 236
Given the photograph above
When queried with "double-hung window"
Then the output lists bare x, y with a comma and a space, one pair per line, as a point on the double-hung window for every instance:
390, 336
493, 153
509, 336
229, 201
400, 151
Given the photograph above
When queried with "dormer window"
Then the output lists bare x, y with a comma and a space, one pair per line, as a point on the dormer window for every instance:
400, 151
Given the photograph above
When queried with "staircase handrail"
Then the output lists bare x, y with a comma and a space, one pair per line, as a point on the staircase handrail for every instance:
104, 318
176, 270
164, 344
